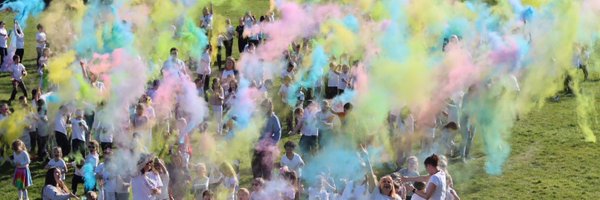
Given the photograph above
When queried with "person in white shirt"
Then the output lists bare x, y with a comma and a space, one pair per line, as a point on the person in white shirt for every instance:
207, 20
229, 35
58, 162
60, 129
79, 131
106, 177
436, 181
204, 71
344, 79
54, 187
289, 71
173, 65
326, 122
3, 43
382, 190
307, 125
40, 38
333, 80
146, 185
20, 40
17, 71
291, 159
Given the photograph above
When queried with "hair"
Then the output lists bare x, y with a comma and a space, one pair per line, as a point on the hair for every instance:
393, 191
432, 160
91, 195
244, 190
347, 106
298, 110
230, 58
451, 126
15, 57
291, 177
95, 144
419, 185
259, 180
207, 193
49, 180
18, 145
57, 149
173, 49
39, 26
290, 144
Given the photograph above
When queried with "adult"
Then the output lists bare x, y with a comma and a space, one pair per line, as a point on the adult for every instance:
107, 179
146, 184
240, 35
229, 35
207, 20
436, 181
54, 187
262, 162
40, 38
382, 190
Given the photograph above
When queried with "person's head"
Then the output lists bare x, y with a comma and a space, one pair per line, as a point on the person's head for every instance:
174, 52
431, 164
53, 177
2, 24
207, 195
159, 166
419, 185
347, 107
199, 83
16, 59
268, 106
91, 195
208, 49
93, 146
230, 63
289, 147
35, 94
233, 85
299, 112
242, 21
287, 80
251, 48
258, 184
201, 170
107, 154
451, 126
386, 186
290, 67
268, 84
228, 21
79, 113
243, 194
18, 146
57, 152
413, 163
147, 162
325, 105
46, 52
345, 68
291, 177
139, 109
40, 28
4, 109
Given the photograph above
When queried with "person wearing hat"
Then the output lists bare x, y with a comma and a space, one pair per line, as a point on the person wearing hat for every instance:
147, 184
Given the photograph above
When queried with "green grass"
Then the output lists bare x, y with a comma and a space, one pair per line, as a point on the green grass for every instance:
549, 158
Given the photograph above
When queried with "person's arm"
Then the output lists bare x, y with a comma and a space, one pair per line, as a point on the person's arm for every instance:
17, 26
371, 178
84, 70
416, 179
454, 194
298, 126
428, 192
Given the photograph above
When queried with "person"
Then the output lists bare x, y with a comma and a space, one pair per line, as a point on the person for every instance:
179, 176
262, 162
60, 129
220, 47
43, 65
146, 185
240, 35
92, 159
229, 70
162, 171
207, 20
307, 127
333, 80
54, 187
383, 190
292, 160
412, 170
436, 181
201, 182
292, 190
326, 123
42, 45
207, 195
420, 187
22, 177
103, 131
450, 192
17, 71
58, 162
203, 71
447, 139
105, 178
258, 191
216, 100
79, 132
229, 180
229, 35
173, 65
3, 43
344, 79
243, 194
20, 35
91, 195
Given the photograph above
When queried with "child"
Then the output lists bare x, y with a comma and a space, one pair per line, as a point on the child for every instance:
201, 183
22, 177
58, 162
412, 170
17, 71
90, 195
79, 132
419, 186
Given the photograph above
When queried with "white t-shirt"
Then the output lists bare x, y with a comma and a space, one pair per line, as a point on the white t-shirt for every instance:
309, 125
333, 79
78, 129
376, 195
92, 159
283, 91
110, 184
344, 80
3, 40
16, 71
286, 73
60, 123
294, 164
227, 73
417, 197
439, 180
21, 158
207, 21
40, 37
354, 190
174, 65
60, 164
142, 186
20, 41
204, 67
230, 33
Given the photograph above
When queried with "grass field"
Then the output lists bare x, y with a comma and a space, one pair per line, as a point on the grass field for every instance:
549, 159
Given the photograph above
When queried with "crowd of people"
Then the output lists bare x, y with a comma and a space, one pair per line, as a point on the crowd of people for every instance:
76, 144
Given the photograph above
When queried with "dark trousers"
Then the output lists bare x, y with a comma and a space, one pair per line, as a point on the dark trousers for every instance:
63, 142
40, 52
21, 86
41, 143
33, 140
241, 44
219, 58
308, 144
3, 54
331, 92
262, 164
20, 53
228, 47
255, 42
585, 71
76, 181
78, 146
